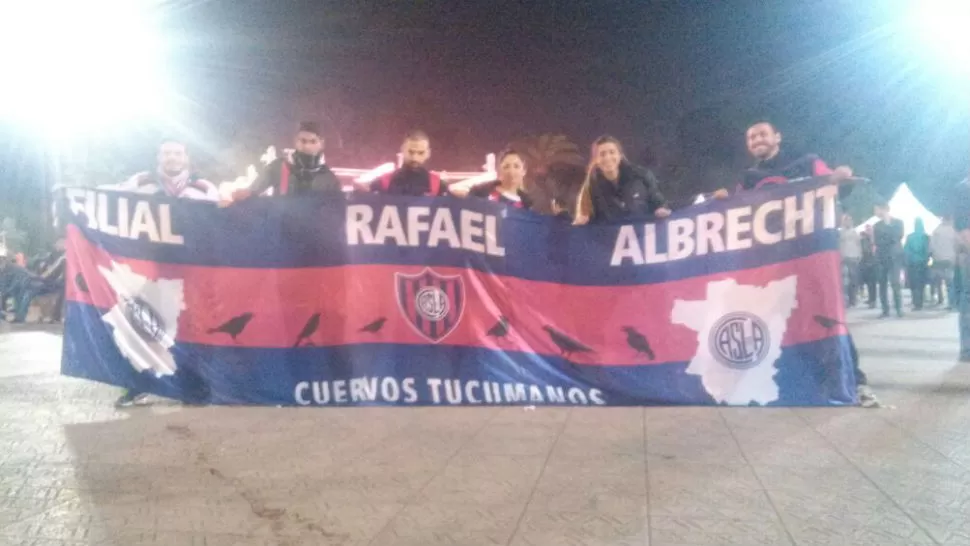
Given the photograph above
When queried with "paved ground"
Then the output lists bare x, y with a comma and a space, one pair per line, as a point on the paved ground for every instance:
73, 471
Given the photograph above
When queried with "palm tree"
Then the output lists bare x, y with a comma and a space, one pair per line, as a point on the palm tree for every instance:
546, 150
550, 159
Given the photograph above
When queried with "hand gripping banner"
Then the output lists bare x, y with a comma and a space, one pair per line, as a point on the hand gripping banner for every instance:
336, 300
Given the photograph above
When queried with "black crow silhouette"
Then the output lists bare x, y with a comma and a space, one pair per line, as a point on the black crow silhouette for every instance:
565, 343
375, 326
233, 326
826, 322
501, 328
81, 284
638, 342
308, 329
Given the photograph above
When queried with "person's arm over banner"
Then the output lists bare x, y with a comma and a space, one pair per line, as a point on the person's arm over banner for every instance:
264, 181
840, 175
442, 185
656, 201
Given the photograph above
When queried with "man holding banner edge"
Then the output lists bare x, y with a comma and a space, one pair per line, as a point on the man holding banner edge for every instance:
775, 166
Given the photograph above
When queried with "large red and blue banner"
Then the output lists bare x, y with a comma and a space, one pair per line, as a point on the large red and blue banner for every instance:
361, 299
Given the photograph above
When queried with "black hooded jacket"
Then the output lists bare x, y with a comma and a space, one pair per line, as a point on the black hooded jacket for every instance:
635, 194
288, 178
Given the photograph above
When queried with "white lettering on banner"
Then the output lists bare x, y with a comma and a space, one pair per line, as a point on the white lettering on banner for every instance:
121, 217
354, 390
474, 231
736, 228
438, 391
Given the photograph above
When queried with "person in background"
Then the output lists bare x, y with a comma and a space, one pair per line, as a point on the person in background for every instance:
917, 254
961, 225
172, 177
850, 245
13, 242
50, 281
616, 190
867, 267
508, 189
413, 178
296, 173
888, 235
943, 250
14, 279
560, 210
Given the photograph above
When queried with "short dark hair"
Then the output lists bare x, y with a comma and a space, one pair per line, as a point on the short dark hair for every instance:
309, 127
416, 134
764, 121
507, 152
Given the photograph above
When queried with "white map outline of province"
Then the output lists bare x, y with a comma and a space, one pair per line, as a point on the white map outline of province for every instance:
167, 300
772, 303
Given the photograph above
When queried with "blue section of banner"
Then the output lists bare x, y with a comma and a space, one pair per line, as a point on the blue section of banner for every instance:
808, 374
314, 229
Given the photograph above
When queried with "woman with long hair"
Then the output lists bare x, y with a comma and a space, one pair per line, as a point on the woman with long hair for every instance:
508, 188
615, 189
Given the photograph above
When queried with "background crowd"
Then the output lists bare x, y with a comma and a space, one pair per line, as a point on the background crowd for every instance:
878, 262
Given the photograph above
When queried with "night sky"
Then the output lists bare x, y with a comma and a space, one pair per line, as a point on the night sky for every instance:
677, 81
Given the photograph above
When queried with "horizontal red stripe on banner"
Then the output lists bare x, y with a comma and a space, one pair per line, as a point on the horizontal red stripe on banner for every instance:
408, 304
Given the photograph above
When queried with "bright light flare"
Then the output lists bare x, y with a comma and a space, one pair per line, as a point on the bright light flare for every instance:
476, 180
943, 26
76, 66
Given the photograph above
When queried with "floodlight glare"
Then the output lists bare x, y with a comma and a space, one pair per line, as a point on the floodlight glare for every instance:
78, 66
944, 27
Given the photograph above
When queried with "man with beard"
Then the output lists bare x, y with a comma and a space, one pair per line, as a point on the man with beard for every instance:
298, 173
172, 177
413, 178
775, 166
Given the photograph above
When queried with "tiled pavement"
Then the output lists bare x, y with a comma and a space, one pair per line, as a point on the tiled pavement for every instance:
74, 471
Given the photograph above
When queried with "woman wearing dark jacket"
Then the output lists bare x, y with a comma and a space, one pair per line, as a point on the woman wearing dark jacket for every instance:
616, 190
508, 188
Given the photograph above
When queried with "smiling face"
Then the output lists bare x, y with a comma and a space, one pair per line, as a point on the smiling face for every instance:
173, 158
511, 171
763, 141
608, 157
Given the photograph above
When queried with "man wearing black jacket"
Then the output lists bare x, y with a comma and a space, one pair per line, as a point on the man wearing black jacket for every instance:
298, 173
773, 166
413, 178
888, 235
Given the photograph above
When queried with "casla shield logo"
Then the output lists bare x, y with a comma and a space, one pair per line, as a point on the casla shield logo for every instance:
739, 340
432, 304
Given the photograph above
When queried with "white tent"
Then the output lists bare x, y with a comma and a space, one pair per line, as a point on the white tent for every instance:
907, 208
